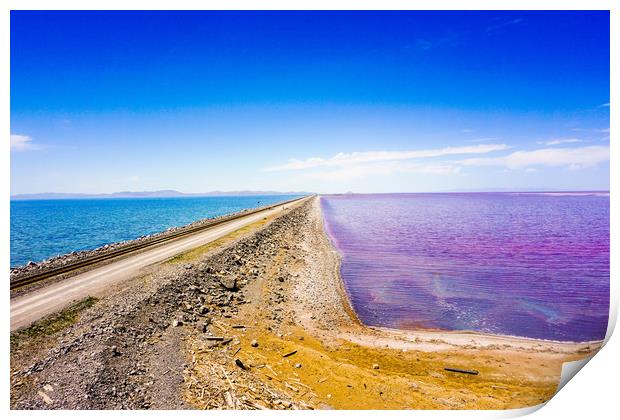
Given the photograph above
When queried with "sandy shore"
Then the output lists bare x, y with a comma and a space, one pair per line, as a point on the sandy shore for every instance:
260, 320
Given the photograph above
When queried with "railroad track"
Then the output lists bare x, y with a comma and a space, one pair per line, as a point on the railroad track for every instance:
131, 248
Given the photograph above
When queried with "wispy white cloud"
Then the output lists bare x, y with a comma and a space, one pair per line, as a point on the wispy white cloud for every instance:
347, 173
491, 29
451, 39
484, 139
605, 105
358, 158
555, 142
21, 143
574, 158
591, 130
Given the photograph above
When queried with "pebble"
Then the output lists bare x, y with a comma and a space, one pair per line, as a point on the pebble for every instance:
254, 343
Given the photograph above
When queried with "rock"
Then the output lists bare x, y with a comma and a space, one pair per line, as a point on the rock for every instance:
203, 309
45, 397
229, 283
254, 343
177, 323
297, 365
115, 351
375, 366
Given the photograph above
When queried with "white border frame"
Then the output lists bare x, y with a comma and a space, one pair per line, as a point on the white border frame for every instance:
593, 394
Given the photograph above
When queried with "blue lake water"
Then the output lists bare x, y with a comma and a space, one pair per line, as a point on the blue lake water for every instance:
532, 265
41, 229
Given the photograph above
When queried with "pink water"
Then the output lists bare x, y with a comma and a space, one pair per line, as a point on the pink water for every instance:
532, 265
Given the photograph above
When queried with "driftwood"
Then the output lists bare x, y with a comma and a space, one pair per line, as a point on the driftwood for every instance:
469, 372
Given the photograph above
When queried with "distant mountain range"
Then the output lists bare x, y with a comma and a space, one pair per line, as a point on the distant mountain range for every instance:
148, 194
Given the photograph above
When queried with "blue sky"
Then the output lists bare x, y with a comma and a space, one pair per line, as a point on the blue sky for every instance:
315, 101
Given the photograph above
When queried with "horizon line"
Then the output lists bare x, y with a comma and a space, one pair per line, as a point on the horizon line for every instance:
237, 193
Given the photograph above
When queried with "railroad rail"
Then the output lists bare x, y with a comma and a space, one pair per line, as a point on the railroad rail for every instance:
134, 247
